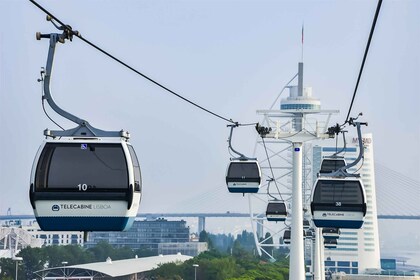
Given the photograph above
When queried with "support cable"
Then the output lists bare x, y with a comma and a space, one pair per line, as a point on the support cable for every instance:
378, 8
77, 34
272, 172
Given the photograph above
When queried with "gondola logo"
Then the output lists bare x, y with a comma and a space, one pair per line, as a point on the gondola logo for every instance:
83, 146
324, 214
55, 207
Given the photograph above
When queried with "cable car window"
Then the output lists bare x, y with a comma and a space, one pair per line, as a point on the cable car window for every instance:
136, 168
276, 208
240, 169
84, 167
333, 191
331, 165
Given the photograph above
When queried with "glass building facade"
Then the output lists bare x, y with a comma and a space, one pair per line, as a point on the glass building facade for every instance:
147, 234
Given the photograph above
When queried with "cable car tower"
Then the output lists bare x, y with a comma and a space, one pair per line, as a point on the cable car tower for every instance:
288, 128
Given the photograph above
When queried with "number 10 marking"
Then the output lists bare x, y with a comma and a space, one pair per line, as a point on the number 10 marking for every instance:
82, 187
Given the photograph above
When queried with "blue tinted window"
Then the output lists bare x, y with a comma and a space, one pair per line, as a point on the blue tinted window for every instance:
346, 264
354, 264
329, 263
345, 270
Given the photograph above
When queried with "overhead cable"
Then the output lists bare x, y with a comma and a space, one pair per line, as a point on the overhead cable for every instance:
77, 34
378, 8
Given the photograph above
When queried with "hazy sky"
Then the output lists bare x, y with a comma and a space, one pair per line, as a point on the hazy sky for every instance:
232, 57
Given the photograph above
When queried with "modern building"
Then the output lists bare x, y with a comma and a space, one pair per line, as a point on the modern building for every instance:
54, 237
357, 250
188, 248
145, 234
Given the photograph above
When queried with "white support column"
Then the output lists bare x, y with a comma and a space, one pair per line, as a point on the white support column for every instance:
319, 266
297, 263
317, 255
322, 257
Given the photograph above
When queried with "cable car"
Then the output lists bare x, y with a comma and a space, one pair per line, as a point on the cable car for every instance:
310, 233
306, 224
276, 211
85, 184
338, 202
331, 164
243, 176
286, 236
331, 233
330, 243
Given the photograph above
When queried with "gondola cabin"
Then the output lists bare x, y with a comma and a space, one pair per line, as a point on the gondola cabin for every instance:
310, 233
243, 176
330, 243
338, 202
306, 224
85, 184
331, 233
286, 236
276, 211
331, 164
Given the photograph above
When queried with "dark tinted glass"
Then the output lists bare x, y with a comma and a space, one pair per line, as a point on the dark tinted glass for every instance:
286, 234
330, 230
279, 208
331, 165
82, 167
246, 169
332, 191
330, 241
136, 168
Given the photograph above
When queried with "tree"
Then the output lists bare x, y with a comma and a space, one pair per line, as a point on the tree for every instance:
33, 260
204, 237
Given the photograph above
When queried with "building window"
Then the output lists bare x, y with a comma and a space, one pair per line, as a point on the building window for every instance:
345, 264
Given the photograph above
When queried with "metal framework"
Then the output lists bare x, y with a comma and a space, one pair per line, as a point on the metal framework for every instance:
84, 128
286, 149
69, 273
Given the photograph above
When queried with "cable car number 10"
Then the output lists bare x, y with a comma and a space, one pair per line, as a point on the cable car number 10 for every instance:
83, 187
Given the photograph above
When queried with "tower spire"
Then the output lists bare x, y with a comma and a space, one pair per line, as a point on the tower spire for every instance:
303, 25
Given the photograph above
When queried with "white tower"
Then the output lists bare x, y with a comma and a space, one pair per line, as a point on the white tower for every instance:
293, 125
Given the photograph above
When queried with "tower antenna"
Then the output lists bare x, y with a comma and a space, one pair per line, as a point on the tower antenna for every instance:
303, 25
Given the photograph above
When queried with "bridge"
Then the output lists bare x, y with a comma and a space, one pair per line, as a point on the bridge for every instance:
202, 217
397, 199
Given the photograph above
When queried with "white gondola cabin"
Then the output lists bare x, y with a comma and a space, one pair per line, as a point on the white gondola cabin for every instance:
276, 211
243, 176
338, 202
85, 184
286, 236
330, 243
331, 233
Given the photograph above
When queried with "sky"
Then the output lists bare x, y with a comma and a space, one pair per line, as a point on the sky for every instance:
232, 57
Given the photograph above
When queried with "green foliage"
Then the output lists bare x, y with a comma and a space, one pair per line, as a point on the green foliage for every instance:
241, 265
246, 239
103, 250
141, 253
237, 263
35, 259
222, 242
204, 237
8, 270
